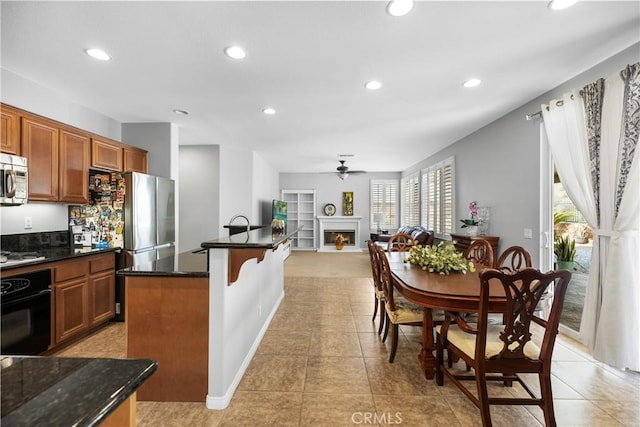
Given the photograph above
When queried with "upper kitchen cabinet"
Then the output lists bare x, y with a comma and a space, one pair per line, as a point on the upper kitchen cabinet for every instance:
135, 160
40, 142
74, 166
10, 139
58, 159
106, 154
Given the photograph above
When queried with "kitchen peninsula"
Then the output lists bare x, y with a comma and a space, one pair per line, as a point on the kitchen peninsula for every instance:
203, 318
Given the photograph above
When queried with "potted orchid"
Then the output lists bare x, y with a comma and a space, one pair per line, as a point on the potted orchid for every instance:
472, 222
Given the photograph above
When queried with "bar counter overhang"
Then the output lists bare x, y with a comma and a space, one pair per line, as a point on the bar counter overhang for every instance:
246, 284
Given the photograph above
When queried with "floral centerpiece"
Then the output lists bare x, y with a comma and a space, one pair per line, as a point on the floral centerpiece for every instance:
442, 259
473, 215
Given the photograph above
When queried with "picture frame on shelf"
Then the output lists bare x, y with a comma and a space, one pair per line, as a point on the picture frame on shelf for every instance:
347, 203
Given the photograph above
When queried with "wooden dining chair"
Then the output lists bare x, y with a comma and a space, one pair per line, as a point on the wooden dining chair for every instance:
398, 310
378, 292
480, 252
506, 350
514, 258
400, 242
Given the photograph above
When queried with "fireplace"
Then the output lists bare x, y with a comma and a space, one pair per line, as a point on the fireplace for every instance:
332, 226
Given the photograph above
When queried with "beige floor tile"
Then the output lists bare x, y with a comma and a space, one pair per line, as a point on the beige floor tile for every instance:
578, 413
179, 414
402, 377
285, 342
334, 343
263, 409
274, 373
362, 308
423, 411
627, 413
336, 375
365, 324
322, 409
594, 382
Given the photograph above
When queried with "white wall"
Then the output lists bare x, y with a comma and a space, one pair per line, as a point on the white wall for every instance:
265, 190
30, 96
199, 187
35, 98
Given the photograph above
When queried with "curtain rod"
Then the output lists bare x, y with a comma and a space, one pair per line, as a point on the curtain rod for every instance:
533, 116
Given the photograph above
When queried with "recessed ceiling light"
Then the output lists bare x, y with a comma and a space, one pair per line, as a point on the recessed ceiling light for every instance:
373, 85
181, 112
399, 7
269, 111
98, 54
235, 52
561, 4
472, 83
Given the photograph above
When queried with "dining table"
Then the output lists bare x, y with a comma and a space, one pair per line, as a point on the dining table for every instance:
454, 292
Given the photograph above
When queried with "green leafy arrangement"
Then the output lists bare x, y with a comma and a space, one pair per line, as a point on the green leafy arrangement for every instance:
564, 248
442, 259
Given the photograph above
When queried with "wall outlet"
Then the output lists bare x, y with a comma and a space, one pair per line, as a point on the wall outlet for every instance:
28, 222
528, 233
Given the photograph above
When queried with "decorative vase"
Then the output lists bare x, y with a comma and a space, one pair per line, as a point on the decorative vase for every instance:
564, 265
484, 215
339, 246
472, 230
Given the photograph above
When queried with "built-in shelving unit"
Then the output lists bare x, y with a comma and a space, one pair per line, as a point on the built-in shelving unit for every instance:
301, 211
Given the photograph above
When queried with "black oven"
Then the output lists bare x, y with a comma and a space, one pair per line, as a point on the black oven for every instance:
26, 313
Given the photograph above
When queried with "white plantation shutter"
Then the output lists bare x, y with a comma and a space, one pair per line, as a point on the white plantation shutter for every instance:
438, 196
410, 203
384, 200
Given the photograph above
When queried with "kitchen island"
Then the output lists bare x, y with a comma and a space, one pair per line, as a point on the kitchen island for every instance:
203, 313
246, 287
61, 391
166, 319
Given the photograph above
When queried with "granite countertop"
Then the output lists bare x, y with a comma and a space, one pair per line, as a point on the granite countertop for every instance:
38, 391
59, 254
258, 238
193, 263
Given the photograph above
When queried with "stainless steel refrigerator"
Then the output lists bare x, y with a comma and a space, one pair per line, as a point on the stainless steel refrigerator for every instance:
149, 224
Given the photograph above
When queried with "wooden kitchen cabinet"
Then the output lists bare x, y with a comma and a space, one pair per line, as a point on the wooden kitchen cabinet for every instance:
58, 161
84, 294
9, 130
102, 288
135, 159
40, 142
106, 154
74, 167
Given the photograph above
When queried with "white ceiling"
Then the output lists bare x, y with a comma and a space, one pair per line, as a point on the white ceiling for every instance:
310, 60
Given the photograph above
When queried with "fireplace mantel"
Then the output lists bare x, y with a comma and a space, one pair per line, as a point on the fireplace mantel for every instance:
341, 224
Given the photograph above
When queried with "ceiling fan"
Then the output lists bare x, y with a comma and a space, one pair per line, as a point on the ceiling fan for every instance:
344, 172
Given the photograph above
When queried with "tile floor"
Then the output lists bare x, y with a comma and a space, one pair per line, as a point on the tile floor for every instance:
322, 363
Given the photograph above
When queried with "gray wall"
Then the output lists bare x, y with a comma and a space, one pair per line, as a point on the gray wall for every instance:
199, 192
329, 189
498, 165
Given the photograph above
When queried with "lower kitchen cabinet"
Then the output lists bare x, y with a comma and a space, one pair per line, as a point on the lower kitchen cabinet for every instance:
71, 313
84, 294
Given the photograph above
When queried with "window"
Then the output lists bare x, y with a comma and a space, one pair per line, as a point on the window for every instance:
438, 196
384, 200
410, 204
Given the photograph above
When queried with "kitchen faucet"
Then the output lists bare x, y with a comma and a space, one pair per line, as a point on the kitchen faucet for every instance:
241, 216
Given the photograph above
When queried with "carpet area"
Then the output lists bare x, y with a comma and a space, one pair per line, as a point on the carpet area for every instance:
319, 264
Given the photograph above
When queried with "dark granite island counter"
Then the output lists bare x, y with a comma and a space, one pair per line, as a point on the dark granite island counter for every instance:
166, 319
246, 287
59, 391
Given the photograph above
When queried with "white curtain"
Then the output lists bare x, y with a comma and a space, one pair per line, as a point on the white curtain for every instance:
595, 156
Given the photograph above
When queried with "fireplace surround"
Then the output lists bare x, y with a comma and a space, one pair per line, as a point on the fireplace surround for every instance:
331, 226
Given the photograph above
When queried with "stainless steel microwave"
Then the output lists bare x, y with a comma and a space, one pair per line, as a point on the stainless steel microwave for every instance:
15, 180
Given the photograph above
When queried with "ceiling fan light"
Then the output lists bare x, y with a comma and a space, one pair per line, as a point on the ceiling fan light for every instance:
343, 176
